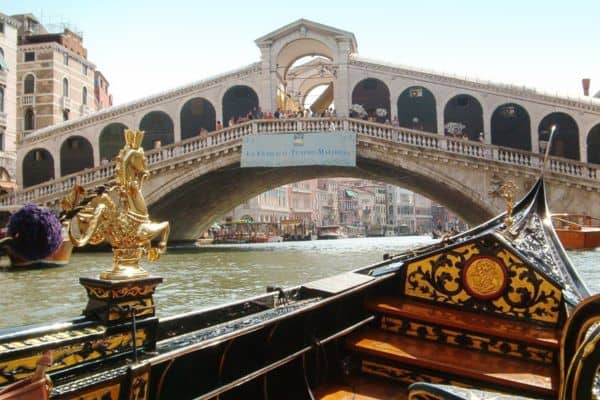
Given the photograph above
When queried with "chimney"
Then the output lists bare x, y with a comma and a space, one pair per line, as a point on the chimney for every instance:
586, 86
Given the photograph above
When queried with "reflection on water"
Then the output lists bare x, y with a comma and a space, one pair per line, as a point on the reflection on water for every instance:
200, 277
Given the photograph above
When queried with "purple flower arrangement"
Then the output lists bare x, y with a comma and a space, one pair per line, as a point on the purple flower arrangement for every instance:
36, 232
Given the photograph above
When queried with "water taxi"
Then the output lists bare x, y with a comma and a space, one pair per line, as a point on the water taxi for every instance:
577, 232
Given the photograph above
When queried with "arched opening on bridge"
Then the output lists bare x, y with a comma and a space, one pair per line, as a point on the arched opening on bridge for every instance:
76, 154
197, 114
293, 53
417, 109
38, 167
566, 139
593, 145
511, 127
319, 99
159, 130
238, 101
463, 117
374, 96
112, 139
6, 184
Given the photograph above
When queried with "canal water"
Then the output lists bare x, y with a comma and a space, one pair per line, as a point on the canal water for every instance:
201, 277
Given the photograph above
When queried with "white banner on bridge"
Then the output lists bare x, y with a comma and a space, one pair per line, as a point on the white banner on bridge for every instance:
297, 149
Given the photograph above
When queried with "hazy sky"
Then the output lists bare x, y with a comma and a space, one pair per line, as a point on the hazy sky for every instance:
147, 46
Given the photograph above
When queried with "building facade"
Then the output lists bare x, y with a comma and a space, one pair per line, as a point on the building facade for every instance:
8, 101
55, 78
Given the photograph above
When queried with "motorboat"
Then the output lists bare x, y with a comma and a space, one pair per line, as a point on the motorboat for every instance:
577, 232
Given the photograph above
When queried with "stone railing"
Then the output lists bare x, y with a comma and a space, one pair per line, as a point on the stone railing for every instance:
230, 137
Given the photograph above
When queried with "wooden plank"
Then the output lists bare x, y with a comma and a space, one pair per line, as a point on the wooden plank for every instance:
339, 283
491, 368
466, 320
362, 388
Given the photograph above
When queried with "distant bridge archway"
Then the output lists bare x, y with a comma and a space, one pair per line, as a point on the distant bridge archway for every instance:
158, 128
511, 127
38, 167
111, 140
417, 109
238, 101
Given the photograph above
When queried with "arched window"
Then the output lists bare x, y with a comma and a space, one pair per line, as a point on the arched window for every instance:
65, 87
38, 167
511, 127
111, 140
159, 129
76, 154
29, 122
593, 145
3, 66
84, 96
237, 102
1, 99
374, 96
29, 84
417, 109
197, 114
566, 138
463, 117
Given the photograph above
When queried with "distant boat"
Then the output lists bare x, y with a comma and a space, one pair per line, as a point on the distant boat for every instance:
577, 232
59, 258
330, 232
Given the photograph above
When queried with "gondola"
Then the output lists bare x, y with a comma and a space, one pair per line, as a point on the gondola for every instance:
496, 311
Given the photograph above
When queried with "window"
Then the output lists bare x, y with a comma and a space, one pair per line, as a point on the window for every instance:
84, 69
29, 56
29, 123
65, 115
29, 84
65, 87
1, 27
1, 99
3, 65
84, 96
66, 59
2, 141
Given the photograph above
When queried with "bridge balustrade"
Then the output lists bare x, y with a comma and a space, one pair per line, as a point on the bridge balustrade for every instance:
94, 176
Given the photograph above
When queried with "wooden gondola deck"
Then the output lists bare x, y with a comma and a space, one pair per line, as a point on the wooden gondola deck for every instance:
363, 388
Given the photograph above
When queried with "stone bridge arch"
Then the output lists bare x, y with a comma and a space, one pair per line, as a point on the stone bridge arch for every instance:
192, 197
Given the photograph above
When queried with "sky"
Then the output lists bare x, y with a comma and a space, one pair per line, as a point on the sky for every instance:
145, 47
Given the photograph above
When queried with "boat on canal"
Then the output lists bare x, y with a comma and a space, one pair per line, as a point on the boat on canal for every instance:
327, 232
496, 311
577, 232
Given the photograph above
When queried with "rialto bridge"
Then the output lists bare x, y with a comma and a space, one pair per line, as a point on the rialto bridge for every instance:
513, 123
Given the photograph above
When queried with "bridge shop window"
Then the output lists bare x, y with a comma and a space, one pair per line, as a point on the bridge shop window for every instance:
463, 117
417, 109
29, 84
111, 140
238, 101
38, 167
374, 96
29, 56
511, 127
159, 130
566, 138
197, 114
593, 145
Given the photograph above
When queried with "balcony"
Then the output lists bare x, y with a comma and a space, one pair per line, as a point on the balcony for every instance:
65, 103
84, 109
28, 100
3, 75
3, 119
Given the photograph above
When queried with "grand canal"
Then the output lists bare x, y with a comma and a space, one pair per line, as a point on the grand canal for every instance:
202, 277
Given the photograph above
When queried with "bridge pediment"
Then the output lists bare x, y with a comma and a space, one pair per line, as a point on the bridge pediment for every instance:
302, 28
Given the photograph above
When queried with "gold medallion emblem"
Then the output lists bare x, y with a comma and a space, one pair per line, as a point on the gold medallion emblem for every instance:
484, 277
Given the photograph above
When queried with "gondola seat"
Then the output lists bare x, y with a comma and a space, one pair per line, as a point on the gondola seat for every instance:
579, 359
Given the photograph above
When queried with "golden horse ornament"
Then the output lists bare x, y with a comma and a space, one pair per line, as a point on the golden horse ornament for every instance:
117, 214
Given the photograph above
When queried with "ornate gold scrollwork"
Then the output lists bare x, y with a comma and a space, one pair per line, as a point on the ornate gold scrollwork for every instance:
117, 214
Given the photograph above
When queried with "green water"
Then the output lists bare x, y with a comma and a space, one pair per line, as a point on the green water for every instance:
201, 277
